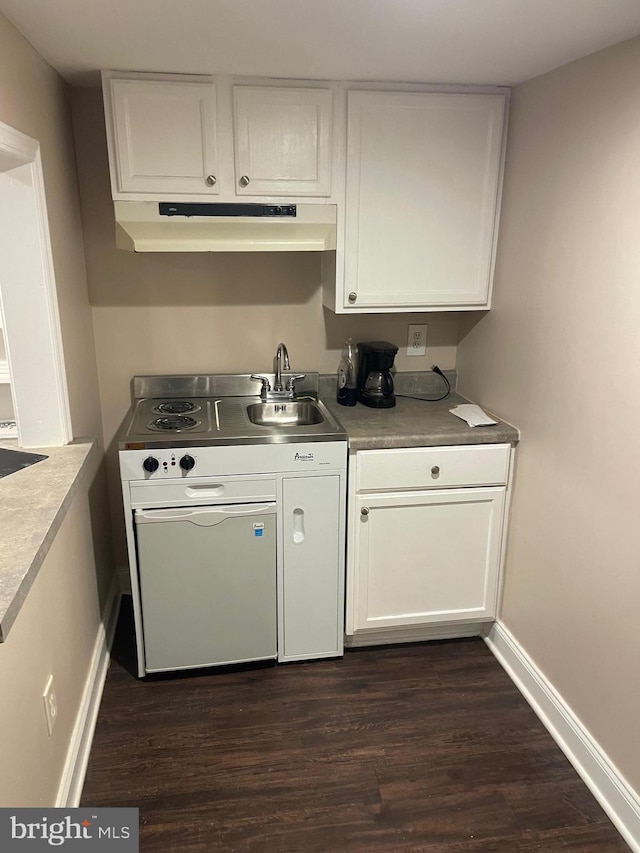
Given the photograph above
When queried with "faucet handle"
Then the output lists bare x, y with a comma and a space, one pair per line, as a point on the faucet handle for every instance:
292, 379
266, 385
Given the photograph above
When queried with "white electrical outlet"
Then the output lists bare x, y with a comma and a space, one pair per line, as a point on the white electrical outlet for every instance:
50, 704
417, 340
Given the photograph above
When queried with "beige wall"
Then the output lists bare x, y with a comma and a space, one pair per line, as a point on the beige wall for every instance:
56, 629
55, 632
559, 355
34, 100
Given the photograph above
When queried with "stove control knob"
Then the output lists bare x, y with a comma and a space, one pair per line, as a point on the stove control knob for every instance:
187, 463
150, 464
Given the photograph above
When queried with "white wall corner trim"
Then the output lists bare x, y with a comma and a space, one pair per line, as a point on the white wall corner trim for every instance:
618, 800
28, 297
75, 769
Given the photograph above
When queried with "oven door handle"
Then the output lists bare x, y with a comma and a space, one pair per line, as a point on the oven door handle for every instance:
202, 516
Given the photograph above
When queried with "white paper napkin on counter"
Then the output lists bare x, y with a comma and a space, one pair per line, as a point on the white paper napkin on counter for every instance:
473, 415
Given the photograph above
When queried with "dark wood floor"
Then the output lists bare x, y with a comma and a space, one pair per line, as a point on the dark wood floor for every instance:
418, 748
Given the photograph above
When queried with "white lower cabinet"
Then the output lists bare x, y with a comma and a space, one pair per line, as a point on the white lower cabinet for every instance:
422, 553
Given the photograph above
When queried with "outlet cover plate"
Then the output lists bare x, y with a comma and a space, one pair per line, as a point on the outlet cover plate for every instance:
417, 340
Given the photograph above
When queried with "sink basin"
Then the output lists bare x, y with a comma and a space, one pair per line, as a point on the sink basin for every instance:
284, 414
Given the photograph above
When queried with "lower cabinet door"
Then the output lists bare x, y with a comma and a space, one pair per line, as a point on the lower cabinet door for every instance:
311, 596
427, 557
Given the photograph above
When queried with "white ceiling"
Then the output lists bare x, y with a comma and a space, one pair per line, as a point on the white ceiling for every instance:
436, 41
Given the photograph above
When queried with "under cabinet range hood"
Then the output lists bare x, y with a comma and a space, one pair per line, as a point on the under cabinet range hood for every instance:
146, 226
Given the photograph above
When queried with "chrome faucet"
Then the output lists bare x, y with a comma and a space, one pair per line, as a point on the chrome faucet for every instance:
278, 392
281, 359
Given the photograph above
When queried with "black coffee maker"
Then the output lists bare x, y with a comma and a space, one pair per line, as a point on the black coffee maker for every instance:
375, 383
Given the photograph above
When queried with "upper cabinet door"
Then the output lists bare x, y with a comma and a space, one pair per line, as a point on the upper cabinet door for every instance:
164, 136
282, 141
423, 178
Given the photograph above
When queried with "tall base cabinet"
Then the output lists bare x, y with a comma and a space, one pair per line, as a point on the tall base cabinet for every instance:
425, 541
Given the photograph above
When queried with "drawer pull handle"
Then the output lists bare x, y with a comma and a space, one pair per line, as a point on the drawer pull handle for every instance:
435, 471
364, 511
298, 525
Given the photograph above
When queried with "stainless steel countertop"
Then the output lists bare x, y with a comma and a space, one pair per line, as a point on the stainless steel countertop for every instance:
223, 404
232, 427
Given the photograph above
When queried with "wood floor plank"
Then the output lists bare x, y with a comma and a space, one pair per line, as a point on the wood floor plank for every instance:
410, 749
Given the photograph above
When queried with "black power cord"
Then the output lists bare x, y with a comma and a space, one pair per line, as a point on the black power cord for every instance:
437, 370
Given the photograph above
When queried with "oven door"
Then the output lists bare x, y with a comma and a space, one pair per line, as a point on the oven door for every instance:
207, 579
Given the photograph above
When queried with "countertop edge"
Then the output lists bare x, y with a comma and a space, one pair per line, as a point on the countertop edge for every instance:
37, 544
358, 444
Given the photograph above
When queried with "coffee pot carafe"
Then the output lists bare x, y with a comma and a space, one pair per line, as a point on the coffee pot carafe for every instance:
375, 383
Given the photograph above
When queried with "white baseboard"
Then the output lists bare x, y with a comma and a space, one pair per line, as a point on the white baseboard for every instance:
616, 797
388, 636
72, 781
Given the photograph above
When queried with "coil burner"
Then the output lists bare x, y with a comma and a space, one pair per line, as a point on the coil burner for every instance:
175, 407
173, 423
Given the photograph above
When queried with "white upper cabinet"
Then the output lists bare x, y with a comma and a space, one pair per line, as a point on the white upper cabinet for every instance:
422, 193
415, 173
282, 141
164, 137
199, 138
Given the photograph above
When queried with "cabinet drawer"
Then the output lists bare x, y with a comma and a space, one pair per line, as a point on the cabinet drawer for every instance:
202, 491
432, 467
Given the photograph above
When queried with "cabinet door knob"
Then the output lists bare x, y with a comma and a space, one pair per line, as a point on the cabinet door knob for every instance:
364, 511
210, 180
353, 296
435, 471
244, 181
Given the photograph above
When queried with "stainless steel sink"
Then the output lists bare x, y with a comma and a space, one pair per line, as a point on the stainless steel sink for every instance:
288, 413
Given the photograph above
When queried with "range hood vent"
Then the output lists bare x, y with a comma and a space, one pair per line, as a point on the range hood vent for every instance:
216, 227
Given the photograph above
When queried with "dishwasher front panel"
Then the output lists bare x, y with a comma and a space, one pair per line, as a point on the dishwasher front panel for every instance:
207, 580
